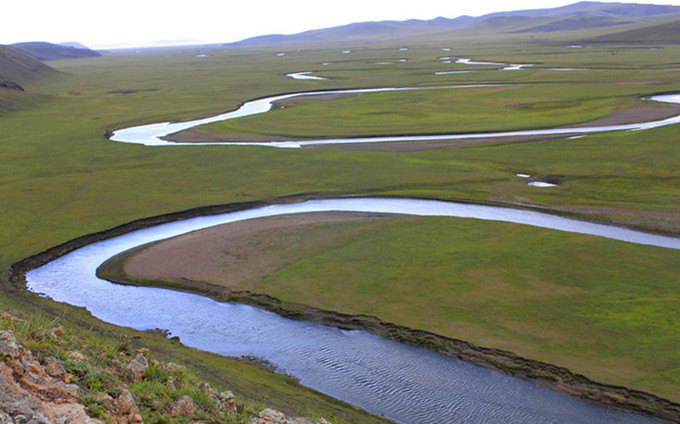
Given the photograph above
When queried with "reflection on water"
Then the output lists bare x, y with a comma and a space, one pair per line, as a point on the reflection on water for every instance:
405, 383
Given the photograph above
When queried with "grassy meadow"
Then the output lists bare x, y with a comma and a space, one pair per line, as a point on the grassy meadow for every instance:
61, 179
584, 302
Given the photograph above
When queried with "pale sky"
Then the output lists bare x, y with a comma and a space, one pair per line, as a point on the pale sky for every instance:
136, 23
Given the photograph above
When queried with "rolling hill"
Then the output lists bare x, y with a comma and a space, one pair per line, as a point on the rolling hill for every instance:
668, 32
15, 70
577, 16
48, 51
74, 44
18, 67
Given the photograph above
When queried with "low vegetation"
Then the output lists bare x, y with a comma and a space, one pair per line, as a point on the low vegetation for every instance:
61, 179
125, 376
497, 285
455, 110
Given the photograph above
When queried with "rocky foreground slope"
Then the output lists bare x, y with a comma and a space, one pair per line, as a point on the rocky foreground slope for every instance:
60, 385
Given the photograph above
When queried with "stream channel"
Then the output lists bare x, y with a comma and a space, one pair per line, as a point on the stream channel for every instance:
405, 383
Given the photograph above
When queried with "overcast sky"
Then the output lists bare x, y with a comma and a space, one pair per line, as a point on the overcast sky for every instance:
135, 23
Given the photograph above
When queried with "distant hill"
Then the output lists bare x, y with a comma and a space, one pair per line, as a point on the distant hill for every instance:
617, 10
16, 69
577, 16
74, 44
19, 68
48, 51
577, 22
668, 32
362, 31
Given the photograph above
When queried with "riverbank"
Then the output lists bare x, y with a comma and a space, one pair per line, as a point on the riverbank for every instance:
72, 376
636, 113
557, 377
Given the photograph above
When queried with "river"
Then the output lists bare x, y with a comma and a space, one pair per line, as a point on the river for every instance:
152, 134
405, 383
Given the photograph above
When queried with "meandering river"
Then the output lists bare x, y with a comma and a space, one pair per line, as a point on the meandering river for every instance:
405, 383
152, 134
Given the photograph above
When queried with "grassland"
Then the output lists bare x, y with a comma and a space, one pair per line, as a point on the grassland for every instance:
61, 178
494, 284
666, 32
253, 384
455, 110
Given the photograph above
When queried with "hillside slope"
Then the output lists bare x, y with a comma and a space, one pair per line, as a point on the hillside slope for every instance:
16, 69
668, 32
20, 68
577, 16
48, 51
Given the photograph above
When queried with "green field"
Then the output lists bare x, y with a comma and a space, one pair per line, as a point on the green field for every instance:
61, 179
584, 302
513, 107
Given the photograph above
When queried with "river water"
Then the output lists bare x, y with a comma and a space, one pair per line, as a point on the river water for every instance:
405, 383
152, 134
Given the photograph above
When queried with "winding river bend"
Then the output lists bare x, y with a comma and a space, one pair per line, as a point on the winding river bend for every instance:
152, 134
405, 383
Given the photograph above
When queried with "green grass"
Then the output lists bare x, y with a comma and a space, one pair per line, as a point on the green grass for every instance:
667, 32
590, 304
109, 349
61, 179
513, 107
57, 150
600, 307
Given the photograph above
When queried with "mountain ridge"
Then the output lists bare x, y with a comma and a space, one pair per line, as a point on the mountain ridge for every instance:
576, 16
47, 51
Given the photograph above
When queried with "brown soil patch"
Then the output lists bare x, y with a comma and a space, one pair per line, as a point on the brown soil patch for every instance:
646, 111
239, 254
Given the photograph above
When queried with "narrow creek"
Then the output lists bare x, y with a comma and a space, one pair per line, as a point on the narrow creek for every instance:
405, 383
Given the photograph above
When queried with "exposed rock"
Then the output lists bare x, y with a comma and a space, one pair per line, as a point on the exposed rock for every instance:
272, 416
162, 331
5, 419
8, 344
168, 366
225, 401
143, 350
54, 368
71, 413
126, 402
184, 406
75, 355
29, 392
10, 85
135, 418
138, 367
105, 398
